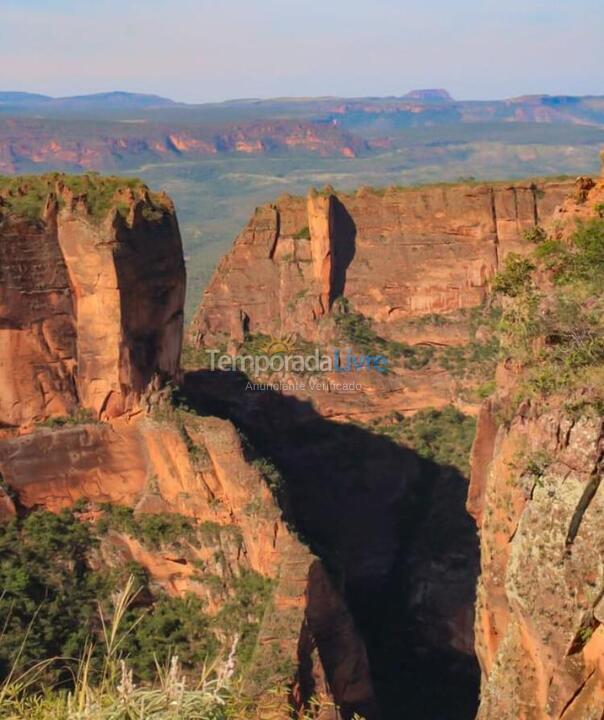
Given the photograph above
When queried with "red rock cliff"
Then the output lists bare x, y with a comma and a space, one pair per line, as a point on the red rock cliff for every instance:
92, 284
536, 495
394, 254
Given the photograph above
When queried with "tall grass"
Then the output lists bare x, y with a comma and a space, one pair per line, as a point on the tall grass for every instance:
109, 692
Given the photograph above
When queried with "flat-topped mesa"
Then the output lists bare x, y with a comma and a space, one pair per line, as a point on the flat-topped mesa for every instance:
92, 284
394, 254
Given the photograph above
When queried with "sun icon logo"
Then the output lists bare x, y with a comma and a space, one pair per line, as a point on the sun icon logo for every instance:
280, 346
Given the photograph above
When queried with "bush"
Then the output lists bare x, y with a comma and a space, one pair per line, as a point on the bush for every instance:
443, 436
515, 278
49, 594
357, 330
303, 233
559, 336
535, 234
171, 626
152, 530
587, 260
78, 417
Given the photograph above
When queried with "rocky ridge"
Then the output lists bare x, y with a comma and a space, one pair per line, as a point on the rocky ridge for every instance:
409, 263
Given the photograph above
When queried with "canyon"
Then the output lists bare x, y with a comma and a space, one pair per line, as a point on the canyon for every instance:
117, 129
429, 254
383, 598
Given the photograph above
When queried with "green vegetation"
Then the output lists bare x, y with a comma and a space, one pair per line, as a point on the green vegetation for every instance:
302, 234
48, 598
537, 463
25, 196
78, 417
241, 615
515, 278
270, 473
56, 608
173, 625
356, 329
535, 234
51, 599
557, 334
152, 530
472, 362
443, 436
104, 682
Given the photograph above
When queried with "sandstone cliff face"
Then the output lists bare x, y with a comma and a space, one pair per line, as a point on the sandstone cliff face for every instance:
90, 304
394, 255
397, 257
539, 632
536, 495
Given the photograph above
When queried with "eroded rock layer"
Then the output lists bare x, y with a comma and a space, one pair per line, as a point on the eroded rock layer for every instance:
394, 254
537, 498
90, 301
539, 632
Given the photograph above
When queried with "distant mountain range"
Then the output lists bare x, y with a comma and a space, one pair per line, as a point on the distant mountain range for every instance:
116, 130
115, 99
532, 108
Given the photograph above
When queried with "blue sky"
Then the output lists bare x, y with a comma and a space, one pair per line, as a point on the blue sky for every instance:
206, 50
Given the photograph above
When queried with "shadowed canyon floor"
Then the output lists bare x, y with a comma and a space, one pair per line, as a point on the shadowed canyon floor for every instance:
391, 527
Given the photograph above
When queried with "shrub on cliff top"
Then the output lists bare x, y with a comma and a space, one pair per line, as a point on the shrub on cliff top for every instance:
25, 196
558, 334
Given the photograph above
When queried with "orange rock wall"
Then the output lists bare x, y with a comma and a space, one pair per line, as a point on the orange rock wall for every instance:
89, 311
539, 632
394, 255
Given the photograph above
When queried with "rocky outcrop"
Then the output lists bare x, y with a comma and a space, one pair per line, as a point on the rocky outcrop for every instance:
536, 496
92, 285
398, 258
70, 144
539, 632
394, 255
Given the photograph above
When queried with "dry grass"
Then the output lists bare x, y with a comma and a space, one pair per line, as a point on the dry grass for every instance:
112, 694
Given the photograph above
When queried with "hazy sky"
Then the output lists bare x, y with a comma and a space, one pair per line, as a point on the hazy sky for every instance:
200, 50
